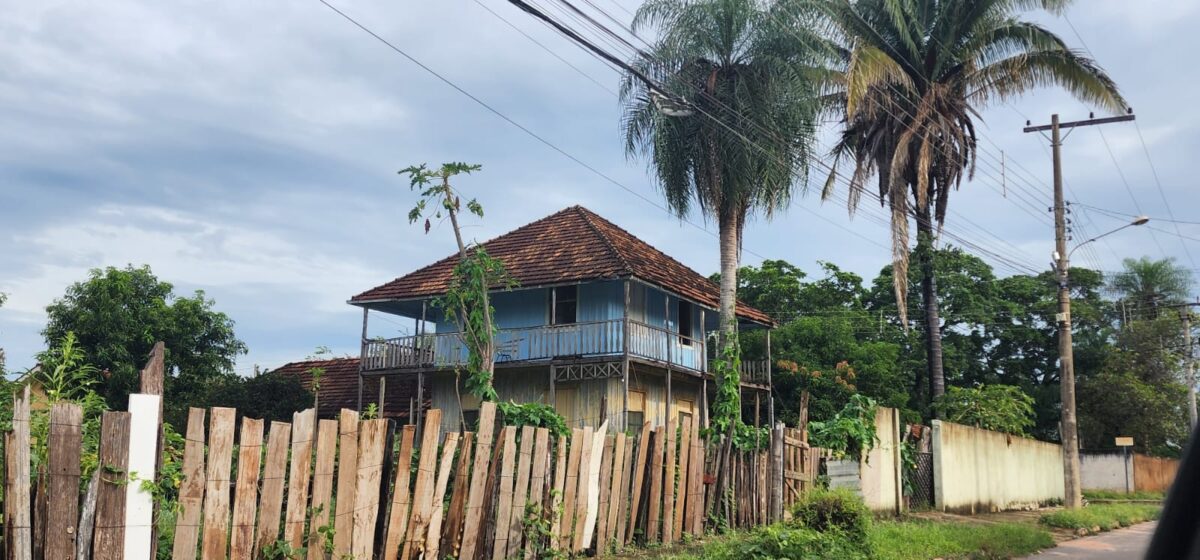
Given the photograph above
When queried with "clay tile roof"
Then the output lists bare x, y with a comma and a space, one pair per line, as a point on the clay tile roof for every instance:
339, 387
571, 245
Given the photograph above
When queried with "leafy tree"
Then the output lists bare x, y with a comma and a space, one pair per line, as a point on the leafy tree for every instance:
851, 432
246, 394
1120, 402
723, 108
118, 314
914, 74
1001, 408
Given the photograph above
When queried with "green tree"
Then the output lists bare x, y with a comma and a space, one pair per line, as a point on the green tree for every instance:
739, 138
914, 74
118, 314
1001, 408
1148, 286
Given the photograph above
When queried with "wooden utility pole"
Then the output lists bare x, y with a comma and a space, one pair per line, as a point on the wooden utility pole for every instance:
1073, 496
1191, 367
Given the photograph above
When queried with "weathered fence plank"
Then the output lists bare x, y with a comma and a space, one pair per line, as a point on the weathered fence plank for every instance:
508, 437
583, 493
626, 495
572, 489
401, 495
639, 471
322, 487
241, 534
63, 449
653, 527
270, 503
371, 449
560, 485
433, 539
214, 545
87, 519
537, 480
668, 512
606, 457
452, 534
303, 428
16, 499
144, 421
681, 495
422, 497
343, 521
109, 536
521, 491
478, 487
191, 490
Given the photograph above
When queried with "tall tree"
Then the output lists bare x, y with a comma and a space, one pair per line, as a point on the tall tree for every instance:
118, 314
1148, 286
737, 133
915, 74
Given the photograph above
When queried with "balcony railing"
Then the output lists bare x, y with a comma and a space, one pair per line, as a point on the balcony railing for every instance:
577, 340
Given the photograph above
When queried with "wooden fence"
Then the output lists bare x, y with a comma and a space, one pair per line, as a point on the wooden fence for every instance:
366, 488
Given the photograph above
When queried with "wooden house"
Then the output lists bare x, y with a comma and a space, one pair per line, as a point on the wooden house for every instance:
602, 326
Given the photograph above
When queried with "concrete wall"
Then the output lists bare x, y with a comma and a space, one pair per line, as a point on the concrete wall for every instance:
978, 470
1106, 470
1153, 474
877, 477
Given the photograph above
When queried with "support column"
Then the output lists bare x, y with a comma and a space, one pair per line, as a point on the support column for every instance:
362, 357
419, 349
625, 358
704, 371
669, 344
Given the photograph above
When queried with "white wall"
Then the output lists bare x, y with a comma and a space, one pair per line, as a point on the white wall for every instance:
1106, 470
978, 470
881, 483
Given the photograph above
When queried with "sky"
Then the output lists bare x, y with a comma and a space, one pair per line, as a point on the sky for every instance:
251, 149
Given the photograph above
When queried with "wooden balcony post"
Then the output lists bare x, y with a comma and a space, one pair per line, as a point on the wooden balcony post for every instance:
420, 374
703, 370
362, 357
667, 340
625, 359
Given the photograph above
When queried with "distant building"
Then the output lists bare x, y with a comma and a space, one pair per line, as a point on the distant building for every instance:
602, 326
339, 388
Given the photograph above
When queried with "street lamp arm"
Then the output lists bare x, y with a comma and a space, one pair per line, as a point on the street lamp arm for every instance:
1140, 220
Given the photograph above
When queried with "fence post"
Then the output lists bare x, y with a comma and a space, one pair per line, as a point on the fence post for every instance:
63, 451
16, 500
776, 483
110, 498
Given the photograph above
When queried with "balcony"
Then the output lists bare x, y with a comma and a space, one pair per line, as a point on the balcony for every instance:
588, 340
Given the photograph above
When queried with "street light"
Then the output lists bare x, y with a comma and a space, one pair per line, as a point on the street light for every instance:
1138, 221
1066, 361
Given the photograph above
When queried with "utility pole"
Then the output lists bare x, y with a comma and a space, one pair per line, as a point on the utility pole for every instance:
1191, 367
1073, 495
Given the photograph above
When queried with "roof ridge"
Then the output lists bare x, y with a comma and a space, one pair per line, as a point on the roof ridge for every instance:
608, 243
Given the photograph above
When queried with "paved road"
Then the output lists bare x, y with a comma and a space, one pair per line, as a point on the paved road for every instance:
1122, 544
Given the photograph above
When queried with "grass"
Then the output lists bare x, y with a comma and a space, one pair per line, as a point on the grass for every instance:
1119, 496
1102, 517
921, 540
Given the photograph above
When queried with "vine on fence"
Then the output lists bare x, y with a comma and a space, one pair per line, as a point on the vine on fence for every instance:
851, 432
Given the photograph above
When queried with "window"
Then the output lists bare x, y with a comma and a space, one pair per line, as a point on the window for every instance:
684, 410
635, 417
564, 305
685, 323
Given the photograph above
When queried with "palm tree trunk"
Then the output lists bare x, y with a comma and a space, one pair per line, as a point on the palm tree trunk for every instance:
933, 324
729, 269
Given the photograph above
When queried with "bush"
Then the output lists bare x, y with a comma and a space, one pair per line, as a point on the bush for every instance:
851, 432
834, 511
533, 414
783, 541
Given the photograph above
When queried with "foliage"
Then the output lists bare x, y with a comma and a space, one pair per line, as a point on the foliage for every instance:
921, 540
1104, 516
62, 372
727, 404
466, 299
533, 414
1149, 286
371, 412
538, 530
66, 377
851, 432
780, 541
838, 511
316, 373
117, 316
1001, 408
287, 396
1118, 401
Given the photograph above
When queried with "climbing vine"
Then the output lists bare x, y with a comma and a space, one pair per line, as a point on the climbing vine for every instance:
727, 406
466, 300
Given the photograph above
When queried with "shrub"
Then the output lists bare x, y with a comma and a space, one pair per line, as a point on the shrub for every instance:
851, 432
1104, 516
533, 414
834, 511
785, 541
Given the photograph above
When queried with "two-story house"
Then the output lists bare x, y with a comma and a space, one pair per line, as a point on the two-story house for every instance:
602, 326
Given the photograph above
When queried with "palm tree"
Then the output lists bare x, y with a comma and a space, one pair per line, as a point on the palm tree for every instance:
1148, 286
721, 108
914, 74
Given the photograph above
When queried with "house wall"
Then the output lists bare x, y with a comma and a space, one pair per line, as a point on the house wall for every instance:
978, 470
579, 402
1106, 470
652, 382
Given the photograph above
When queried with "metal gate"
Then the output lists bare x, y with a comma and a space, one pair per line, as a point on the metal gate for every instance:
920, 482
